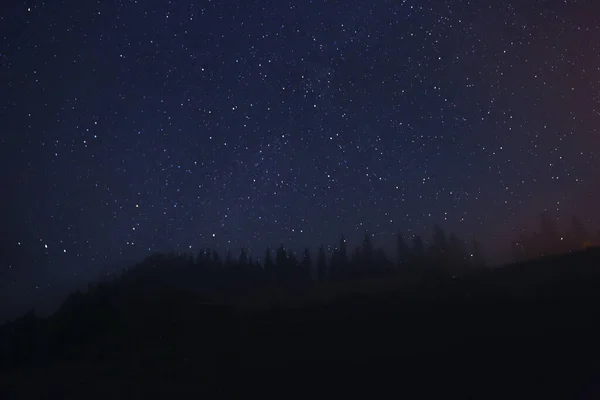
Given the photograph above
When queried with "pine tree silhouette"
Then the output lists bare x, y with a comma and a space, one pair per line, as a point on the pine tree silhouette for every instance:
322, 264
281, 262
306, 264
216, 260
269, 265
243, 259
418, 251
293, 266
208, 258
401, 251
367, 250
549, 236
580, 237
292, 260
356, 258
457, 254
477, 257
343, 253
439, 247
200, 258
381, 261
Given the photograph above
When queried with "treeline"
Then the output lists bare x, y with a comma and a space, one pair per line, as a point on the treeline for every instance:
446, 254
551, 240
121, 337
142, 303
164, 307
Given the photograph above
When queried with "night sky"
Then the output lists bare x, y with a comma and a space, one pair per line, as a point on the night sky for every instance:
129, 127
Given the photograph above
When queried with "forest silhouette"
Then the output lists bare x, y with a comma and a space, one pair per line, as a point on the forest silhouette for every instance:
192, 324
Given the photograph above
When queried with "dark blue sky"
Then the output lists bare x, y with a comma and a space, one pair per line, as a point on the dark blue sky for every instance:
129, 127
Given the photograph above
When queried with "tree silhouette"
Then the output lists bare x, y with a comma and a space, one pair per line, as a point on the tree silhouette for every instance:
550, 241
356, 258
200, 258
477, 257
343, 253
418, 251
439, 246
367, 249
334, 264
84, 316
457, 254
281, 262
322, 264
228, 260
280, 257
549, 236
293, 269
401, 250
381, 261
208, 258
339, 259
292, 259
579, 234
216, 259
269, 265
243, 259
306, 264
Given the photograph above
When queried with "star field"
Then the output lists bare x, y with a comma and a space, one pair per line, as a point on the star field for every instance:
130, 127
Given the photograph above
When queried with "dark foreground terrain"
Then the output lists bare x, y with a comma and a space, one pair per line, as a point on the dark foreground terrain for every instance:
524, 331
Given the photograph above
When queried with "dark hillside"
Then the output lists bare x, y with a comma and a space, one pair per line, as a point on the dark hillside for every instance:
527, 329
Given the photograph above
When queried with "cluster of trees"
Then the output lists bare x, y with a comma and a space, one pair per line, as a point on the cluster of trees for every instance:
550, 240
171, 305
445, 254
109, 316
172, 340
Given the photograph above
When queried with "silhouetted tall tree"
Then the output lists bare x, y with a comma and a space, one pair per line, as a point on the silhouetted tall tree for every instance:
380, 260
356, 258
281, 261
292, 261
228, 259
216, 259
550, 240
269, 265
343, 253
457, 253
418, 250
306, 264
322, 264
478, 260
401, 250
549, 235
579, 233
208, 257
439, 246
367, 249
334, 264
243, 259
200, 258
339, 259
293, 270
